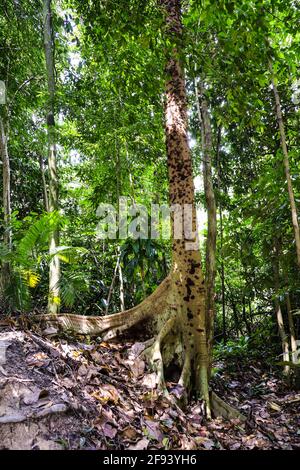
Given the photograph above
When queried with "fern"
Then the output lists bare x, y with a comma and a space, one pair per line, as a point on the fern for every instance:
37, 237
70, 254
72, 286
27, 257
18, 293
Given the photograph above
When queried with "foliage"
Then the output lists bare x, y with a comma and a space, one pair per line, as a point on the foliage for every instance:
109, 59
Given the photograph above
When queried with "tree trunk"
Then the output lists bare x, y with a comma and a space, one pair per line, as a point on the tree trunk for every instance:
119, 188
121, 283
211, 241
111, 289
292, 330
247, 324
7, 235
45, 190
238, 328
222, 279
286, 165
221, 235
187, 277
54, 267
278, 311
294, 348
177, 308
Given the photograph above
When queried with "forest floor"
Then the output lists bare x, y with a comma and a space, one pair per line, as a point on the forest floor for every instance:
66, 394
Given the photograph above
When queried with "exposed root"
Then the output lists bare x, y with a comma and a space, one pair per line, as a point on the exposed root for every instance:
155, 353
221, 408
151, 306
162, 311
185, 376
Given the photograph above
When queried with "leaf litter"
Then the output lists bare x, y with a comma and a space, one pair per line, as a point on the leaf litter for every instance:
65, 394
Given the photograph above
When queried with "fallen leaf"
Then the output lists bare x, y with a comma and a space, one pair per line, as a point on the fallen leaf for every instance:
129, 433
137, 367
150, 380
140, 445
153, 430
107, 393
273, 406
109, 430
38, 359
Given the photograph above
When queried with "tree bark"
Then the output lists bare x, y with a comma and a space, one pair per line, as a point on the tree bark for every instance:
119, 188
238, 328
211, 241
45, 190
7, 235
54, 267
247, 324
286, 165
292, 329
187, 277
111, 289
278, 311
222, 275
121, 283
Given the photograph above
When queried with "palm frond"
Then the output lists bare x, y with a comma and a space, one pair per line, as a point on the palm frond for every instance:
72, 286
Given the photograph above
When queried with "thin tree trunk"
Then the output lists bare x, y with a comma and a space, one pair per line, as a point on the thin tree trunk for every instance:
121, 281
45, 190
247, 324
131, 183
292, 329
54, 267
223, 303
210, 272
165, 264
110, 292
250, 312
236, 319
221, 235
7, 236
283, 336
119, 189
278, 311
286, 164
223, 280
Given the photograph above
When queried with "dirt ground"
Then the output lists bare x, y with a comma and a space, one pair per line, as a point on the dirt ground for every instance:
67, 394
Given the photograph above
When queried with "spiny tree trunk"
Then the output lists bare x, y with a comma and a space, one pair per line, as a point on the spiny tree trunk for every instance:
7, 236
176, 309
211, 242
188, 289
54, 267
286, 165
